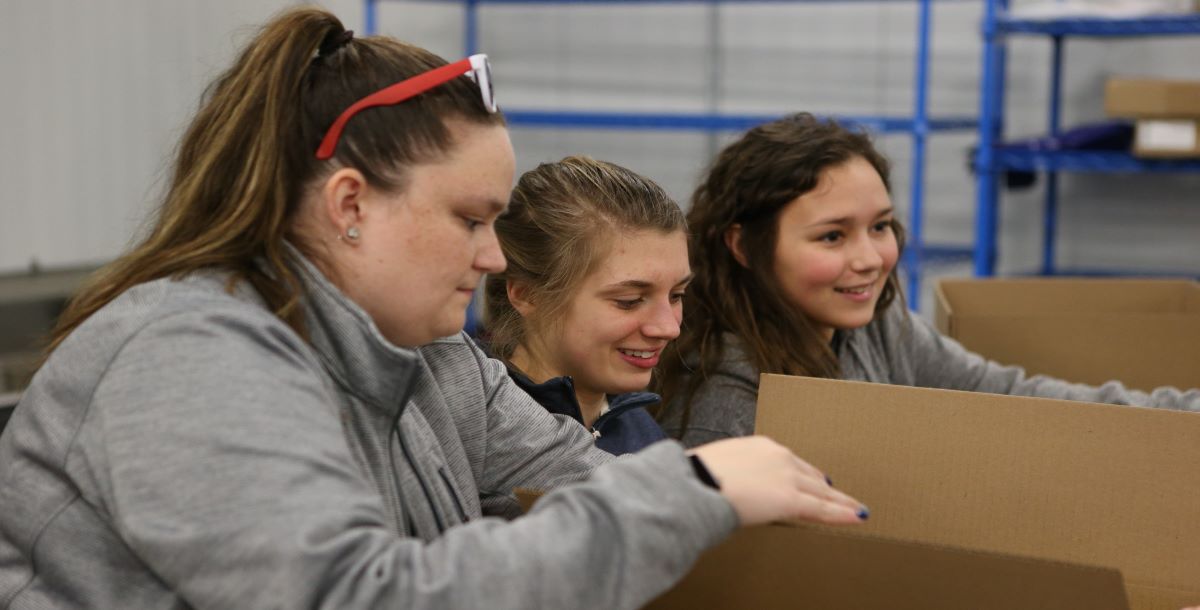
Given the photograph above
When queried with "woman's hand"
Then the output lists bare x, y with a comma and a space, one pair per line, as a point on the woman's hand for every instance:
766, 482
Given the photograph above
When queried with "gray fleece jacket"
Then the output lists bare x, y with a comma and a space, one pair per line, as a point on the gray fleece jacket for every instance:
183, 448
897, 348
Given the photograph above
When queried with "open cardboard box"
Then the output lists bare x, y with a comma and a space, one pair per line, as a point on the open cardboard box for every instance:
978, 501
1078, 483
809, 566
1144, 333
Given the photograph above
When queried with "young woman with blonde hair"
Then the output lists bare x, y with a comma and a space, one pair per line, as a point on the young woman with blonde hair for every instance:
794, 243
593, 292
268, 402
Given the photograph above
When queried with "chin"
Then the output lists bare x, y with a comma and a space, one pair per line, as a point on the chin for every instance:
448, 331
448, 328
855, 324
852, 322
633, 385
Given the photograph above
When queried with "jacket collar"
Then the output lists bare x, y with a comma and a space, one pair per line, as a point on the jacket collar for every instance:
557, 395
350, 346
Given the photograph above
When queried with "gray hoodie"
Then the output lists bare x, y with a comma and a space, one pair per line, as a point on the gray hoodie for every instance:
898, 348
185, 448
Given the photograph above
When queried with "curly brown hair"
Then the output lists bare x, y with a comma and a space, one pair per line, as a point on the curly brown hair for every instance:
749, 183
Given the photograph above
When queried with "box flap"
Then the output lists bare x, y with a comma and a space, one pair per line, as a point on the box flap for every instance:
1049, 296
1140, 332
1093, 484
943, 309
800, 565
1143, 351
1142, 597
813, 567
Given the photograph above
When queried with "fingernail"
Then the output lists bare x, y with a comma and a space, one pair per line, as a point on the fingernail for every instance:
864, 513
828, 481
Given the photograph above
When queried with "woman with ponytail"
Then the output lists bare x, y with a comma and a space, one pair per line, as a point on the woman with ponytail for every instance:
268, 401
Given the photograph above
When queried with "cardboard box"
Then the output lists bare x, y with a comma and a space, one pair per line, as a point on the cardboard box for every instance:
1145, 333
1166, 139
1152, 98
809, 566
781, 566
1080, 483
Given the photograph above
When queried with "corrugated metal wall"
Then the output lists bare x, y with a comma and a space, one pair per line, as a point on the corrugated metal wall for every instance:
93, 95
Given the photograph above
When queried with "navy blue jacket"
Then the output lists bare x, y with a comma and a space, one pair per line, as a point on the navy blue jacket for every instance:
625, 428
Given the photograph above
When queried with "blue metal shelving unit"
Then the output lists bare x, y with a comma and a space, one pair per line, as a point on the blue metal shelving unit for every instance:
1094, 27
919, 125
1090, 162
992, 160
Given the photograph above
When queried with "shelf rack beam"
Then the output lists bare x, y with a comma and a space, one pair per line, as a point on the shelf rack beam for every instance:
919, 125
992, 158
1096, 27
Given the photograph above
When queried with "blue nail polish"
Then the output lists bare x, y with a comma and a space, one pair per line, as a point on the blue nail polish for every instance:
828, 481
864, 513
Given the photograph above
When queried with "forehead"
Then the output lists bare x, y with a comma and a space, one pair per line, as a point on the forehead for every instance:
479, 165
848, 189
647, 255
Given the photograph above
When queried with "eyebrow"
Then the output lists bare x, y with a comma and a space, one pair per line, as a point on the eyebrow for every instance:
843, 220
642, 284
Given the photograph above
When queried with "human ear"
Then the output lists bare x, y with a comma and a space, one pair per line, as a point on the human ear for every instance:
518, 295
343, 203
733, 241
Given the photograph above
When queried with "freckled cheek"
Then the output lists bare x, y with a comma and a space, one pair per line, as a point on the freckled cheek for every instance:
811, 270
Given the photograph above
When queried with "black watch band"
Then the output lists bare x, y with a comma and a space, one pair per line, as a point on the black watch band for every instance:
702, 472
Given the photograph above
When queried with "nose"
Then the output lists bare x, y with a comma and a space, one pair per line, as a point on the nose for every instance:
864, 255
662, 320
489, 258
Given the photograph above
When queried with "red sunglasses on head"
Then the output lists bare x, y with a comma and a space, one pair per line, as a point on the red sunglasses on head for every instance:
475, 67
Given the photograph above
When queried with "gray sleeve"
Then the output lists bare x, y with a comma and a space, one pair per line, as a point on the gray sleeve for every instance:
724, 406
222, 463
528, 447
937, 361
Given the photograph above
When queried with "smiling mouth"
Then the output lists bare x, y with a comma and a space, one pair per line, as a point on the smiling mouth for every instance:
855, 290
644, 355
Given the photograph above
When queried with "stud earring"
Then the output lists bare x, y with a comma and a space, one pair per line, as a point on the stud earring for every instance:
352, 234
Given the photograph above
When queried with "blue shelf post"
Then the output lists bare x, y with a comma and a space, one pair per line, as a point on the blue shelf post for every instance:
920, 130
1050, 210
471, 26
370, 17
991, 129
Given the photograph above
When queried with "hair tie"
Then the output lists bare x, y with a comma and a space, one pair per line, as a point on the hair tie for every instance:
335, 42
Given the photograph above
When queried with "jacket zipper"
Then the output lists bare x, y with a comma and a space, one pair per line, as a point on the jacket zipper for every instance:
394, 499
613, 413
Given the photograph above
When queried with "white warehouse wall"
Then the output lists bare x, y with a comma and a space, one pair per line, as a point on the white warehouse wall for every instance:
95, 93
